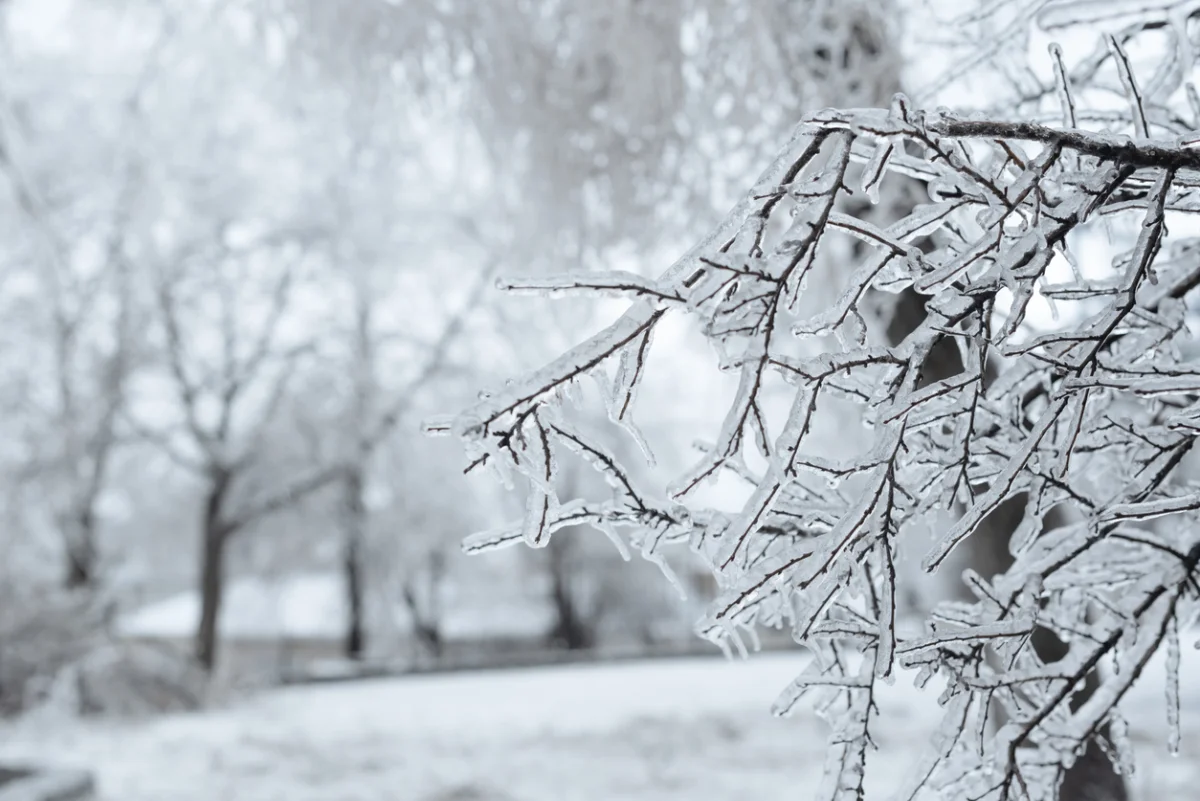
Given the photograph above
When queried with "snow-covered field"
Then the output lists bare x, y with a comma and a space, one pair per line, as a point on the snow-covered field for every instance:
696, 729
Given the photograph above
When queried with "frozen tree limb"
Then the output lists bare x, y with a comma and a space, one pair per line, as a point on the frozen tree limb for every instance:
1092, 413
934, 445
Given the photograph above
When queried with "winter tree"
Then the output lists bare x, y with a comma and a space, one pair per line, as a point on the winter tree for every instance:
1085, 416
398, 332
73, 240
231, 264
372, 414
227, 397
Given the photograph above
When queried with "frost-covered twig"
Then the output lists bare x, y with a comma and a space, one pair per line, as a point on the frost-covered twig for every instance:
1094, 413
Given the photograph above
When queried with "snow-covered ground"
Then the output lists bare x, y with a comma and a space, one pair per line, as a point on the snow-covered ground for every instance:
653, 731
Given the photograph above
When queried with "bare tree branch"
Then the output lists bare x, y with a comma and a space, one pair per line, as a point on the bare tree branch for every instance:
1093, 412
288, 496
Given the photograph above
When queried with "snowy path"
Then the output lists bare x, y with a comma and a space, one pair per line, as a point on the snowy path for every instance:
662, 731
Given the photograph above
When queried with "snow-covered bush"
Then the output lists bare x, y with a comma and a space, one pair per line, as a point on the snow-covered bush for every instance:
57, 654
133, 679
42, 633
1091, 410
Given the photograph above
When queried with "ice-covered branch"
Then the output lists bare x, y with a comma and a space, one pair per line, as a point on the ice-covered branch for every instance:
1092, 412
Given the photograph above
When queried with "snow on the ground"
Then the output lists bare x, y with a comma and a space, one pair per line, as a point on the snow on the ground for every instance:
651, 731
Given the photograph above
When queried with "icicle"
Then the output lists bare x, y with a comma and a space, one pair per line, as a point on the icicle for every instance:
723, 644
979, 728
609, 531
639, 439
1122, 746
623, 396
539, 508
876, 169
752, 633
732, 634
572, 393
1173, 687
500, 465
857, 328
659, 561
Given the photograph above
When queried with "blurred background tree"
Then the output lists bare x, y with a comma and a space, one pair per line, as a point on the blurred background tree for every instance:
271, 253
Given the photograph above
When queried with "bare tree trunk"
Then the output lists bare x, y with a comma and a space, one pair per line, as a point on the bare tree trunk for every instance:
425, 626
81, 552
426, 613
354, 524
353, 536
214, 538
573, 629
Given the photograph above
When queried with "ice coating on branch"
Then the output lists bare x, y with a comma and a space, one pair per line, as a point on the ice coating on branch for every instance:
623, 397
607, 284
1066, 436
1172, 683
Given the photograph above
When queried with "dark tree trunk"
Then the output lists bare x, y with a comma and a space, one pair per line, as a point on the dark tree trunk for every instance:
79, 571
81, 553
356, 638
573, 629
215, 537
430, 638
353, 536
426, 614
425, 628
